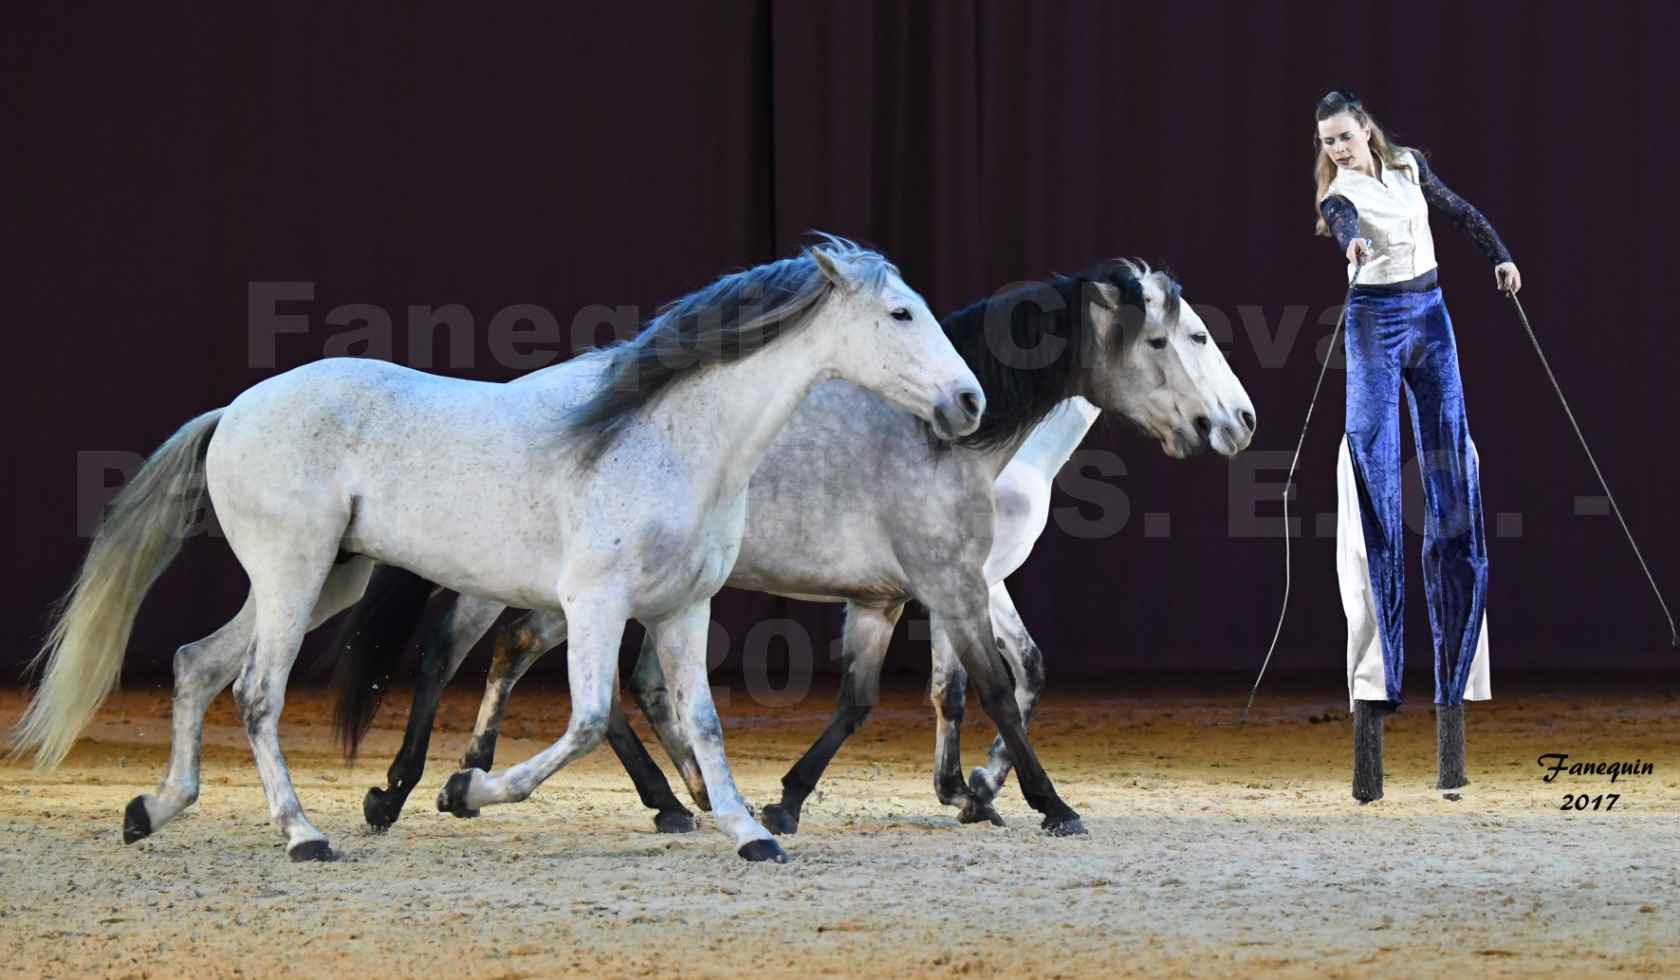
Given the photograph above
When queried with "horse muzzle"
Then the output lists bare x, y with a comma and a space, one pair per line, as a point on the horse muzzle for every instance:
959, 413
1228, 436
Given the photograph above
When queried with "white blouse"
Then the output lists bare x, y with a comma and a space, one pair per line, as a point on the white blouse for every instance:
1395, 217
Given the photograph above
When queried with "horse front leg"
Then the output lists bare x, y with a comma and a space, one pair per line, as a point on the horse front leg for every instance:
680, 641
670, 816
1026, 665
947, 687
596, 624
867, 633
653, 696
969, 629
444, 648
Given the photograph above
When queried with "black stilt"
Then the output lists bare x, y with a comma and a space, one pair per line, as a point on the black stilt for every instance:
1368, 749
1449, 746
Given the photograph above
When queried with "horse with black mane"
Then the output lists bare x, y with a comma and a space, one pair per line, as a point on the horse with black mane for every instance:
852, 505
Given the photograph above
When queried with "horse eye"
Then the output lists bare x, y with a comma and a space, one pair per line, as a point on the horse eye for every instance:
901, 314
1200, 338
1159, 343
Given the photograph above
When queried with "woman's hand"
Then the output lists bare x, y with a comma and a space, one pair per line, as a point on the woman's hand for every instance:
1358, 251
1506, 278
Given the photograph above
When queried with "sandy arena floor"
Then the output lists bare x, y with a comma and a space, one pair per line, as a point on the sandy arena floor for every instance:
1213, 850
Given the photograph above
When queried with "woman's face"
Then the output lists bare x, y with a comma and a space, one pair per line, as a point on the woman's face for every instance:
1346, 140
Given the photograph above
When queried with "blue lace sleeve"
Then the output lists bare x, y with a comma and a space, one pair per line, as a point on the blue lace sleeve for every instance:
1342, 217
1462, 213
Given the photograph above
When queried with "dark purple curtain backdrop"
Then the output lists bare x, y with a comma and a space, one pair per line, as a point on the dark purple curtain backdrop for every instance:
163, 160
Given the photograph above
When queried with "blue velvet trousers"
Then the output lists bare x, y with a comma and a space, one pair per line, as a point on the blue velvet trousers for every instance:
1406, 339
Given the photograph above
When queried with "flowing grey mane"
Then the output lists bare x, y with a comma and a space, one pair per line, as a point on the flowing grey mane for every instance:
726, 321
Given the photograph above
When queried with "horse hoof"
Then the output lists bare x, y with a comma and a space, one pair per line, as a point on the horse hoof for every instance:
1064, 826
975, 811
453, 797
137, 823
980, 784
674, 822
380, 809
778, 819
763, 850
312, 850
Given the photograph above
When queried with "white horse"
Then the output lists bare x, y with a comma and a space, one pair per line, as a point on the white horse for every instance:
850, 505
614, 488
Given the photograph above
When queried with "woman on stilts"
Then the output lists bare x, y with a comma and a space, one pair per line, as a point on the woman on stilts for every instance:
1374, 197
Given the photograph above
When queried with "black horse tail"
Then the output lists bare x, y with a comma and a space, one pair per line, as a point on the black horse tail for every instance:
369, 646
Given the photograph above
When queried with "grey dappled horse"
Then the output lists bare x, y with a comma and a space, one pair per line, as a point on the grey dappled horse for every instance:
613, 486
851, 505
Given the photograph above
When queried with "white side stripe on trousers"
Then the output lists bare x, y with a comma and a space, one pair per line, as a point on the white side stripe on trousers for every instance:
1367, 671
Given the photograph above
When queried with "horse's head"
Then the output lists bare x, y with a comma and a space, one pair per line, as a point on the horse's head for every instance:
1158, 367
889, 342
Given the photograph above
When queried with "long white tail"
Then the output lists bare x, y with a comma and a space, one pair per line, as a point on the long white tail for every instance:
137, 541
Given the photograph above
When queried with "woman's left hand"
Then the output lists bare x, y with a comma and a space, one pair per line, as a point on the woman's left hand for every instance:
1506, 278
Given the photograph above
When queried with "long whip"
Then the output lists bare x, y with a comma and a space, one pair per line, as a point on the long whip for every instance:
1674, 636
1289, 484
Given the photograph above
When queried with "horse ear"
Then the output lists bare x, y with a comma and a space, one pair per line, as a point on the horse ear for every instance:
833, 269
1131, 294
1126, 299
1105, 295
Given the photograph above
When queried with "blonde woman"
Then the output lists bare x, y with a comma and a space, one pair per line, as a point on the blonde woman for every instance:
1375, 198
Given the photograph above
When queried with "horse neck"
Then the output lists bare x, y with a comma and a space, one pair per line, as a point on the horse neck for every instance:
1047, 447
734, 410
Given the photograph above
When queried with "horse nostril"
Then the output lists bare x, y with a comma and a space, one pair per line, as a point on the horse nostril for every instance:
1204, 425
1248, 420
971, 404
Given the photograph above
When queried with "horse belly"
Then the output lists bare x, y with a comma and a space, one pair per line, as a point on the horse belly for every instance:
460, 542
847, 564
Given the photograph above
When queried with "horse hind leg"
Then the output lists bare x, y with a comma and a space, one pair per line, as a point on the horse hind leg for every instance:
867, 633
446, 646
203, 669
518, 647
293, 593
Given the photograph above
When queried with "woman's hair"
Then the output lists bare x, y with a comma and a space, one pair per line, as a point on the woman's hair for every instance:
1324, 168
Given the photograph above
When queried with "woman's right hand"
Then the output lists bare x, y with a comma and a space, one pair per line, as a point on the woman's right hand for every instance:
1358, 251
